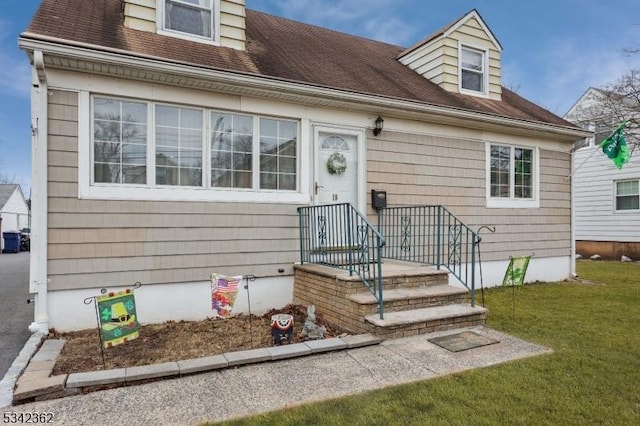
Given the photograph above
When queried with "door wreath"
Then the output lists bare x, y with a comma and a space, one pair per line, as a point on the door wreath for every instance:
337, 163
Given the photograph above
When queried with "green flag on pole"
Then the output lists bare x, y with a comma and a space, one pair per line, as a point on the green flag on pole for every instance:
615, 147
516, 271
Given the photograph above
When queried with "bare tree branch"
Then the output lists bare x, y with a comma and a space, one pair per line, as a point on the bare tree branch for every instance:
615, 103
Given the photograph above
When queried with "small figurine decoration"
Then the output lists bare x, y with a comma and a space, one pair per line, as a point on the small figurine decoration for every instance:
281, 329
311, 330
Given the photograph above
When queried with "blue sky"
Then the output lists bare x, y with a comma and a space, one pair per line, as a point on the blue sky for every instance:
553, 49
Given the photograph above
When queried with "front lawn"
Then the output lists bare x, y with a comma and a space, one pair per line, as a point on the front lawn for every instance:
592, 378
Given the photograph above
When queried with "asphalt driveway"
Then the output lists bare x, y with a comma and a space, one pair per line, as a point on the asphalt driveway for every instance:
16, 313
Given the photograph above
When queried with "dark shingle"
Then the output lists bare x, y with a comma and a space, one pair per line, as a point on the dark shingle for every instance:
278, 48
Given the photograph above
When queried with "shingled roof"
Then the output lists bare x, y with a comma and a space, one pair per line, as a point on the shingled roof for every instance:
276, 48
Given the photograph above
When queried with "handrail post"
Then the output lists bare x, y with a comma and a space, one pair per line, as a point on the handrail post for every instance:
439, 237
301, 236
473, 269
379, 266
349, 242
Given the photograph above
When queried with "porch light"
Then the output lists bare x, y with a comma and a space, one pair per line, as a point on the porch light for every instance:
379, 126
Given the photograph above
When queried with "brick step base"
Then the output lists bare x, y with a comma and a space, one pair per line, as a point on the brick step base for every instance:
402, 299
426, 320
418, 299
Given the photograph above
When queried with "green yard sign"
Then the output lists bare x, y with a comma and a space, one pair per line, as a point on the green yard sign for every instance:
516, 271
117, 317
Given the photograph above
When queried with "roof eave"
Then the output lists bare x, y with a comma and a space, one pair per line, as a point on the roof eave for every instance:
191, 75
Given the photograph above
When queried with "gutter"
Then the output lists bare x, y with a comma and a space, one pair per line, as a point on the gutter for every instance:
279, 88
38, 284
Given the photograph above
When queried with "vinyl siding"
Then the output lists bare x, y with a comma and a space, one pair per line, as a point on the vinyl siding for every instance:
431, 170
232, 24
106, 243
140, 15
596, 218
473, 35
449, 68
99, 243
438, 60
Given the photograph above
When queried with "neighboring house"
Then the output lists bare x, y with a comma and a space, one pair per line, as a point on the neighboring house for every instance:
607, 200
14, 211
175, 139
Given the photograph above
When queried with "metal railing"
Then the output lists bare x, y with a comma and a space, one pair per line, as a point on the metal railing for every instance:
339, 236
430, 235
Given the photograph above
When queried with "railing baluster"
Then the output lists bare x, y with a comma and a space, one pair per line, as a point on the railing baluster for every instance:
431, 235
339, 236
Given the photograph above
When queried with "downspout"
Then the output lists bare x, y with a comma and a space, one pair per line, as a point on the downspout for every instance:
38, 283
573, 208
573, 218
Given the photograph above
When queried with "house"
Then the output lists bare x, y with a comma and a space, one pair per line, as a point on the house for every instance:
174, 139
14, 211
607, 200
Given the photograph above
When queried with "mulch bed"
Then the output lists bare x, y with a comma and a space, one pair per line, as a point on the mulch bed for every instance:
175, 341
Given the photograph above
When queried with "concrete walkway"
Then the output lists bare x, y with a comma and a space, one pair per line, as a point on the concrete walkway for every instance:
258, 388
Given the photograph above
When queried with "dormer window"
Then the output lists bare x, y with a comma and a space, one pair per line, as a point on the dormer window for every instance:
192, 19
472, 70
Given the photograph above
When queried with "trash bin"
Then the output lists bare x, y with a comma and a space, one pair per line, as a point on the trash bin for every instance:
11, 242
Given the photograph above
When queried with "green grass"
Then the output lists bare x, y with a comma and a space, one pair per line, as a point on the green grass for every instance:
592, 378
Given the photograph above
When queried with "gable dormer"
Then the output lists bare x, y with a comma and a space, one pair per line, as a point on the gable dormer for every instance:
464, 57
218, 22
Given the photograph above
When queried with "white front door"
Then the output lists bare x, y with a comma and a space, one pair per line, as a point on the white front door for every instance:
337, 169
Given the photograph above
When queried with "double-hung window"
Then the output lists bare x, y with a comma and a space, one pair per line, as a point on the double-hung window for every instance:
278, 147
472, 70
628, 195
119, 141
231, 150
512, 176
193, 18
159, 150
178, 152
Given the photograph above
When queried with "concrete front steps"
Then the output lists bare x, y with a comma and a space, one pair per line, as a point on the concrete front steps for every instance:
417, 300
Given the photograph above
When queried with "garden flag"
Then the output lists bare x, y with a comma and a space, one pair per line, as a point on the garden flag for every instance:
223, 294
516, 271
117, 317
615, 147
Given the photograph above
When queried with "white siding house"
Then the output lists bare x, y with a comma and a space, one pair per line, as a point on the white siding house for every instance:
14, 211
607, 200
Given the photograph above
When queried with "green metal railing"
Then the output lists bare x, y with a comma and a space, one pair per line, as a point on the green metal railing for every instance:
431, 235
337, 235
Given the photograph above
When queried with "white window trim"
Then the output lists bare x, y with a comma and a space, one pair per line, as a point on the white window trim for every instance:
215, 40
615, 197
513, 203
132, 192
485, 69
